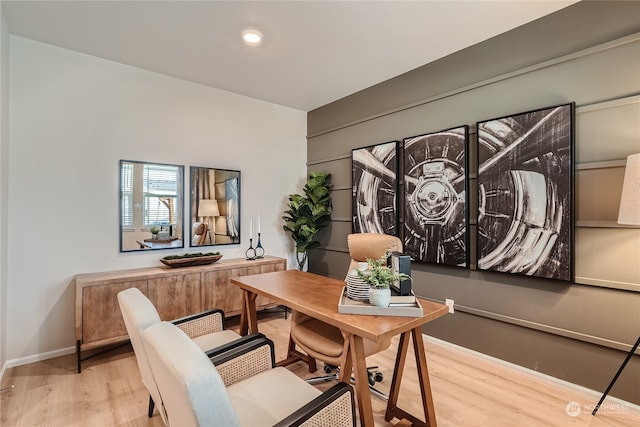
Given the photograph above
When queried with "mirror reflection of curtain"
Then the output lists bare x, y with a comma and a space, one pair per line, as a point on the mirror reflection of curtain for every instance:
202, 189
231, 187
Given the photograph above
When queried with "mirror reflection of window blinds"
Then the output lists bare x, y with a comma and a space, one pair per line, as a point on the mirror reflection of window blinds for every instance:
160, 188
127, 196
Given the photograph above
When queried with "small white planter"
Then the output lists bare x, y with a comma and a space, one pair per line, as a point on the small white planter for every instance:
380, 297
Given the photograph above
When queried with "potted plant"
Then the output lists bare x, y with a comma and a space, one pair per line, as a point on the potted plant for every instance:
154, 229
308, 213
380, 276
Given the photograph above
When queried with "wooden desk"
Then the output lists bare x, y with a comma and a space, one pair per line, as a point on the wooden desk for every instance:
318, 296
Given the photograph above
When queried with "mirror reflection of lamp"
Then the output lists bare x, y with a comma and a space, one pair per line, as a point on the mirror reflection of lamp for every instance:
208, 208
629, 213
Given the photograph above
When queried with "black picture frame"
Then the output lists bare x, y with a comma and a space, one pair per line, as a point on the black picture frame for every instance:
375, 186
525, 187
135, 221
436, 197
220, 187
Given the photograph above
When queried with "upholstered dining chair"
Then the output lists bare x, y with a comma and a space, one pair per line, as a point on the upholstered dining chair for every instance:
312, 339
205, 329
199, 233
194, 394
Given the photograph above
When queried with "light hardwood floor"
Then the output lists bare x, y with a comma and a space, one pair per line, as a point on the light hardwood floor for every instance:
467, 391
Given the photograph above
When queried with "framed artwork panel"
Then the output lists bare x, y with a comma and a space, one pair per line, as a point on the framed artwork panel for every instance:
525, 193
375, 185
436, 213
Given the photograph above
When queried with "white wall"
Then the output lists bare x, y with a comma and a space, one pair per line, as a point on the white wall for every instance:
4, 170
72, 118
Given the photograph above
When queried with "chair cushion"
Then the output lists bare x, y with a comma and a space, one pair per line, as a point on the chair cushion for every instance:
199, 228
209, 341
370, 245
323, 341
266, 398
319, 336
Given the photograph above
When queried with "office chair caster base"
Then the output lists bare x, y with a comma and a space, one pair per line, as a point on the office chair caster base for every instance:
333, 372
375, 377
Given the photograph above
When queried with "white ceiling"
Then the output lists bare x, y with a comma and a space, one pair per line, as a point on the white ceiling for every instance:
314, 52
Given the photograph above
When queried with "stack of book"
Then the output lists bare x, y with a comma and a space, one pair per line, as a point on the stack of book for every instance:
403, 300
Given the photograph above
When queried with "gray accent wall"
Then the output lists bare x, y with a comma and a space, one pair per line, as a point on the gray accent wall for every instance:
587, 53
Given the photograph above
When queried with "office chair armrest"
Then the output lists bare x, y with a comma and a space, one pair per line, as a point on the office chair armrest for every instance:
202, 323
333, 407
243, 358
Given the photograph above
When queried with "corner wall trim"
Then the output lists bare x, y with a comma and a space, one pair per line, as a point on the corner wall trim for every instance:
621, 286
602, 165
330, 159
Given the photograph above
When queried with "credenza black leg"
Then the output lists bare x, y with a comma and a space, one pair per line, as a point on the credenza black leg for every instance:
78, 356
152, 405
615, 377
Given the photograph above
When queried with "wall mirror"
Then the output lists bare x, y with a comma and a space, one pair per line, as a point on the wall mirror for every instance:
151, 200
215, 206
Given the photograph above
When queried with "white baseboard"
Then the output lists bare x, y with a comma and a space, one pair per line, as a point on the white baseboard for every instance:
547, 379
2, 371
37, 358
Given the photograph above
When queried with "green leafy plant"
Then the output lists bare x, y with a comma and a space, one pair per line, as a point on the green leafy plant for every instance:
308, 213
379, 275
154, 229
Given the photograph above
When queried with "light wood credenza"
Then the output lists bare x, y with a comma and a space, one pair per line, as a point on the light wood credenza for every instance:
175, 292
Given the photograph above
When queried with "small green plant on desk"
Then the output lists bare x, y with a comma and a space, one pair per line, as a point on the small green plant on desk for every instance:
154, 229
379, 274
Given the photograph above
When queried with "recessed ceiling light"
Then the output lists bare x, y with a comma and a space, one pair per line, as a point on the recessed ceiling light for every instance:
251, 37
